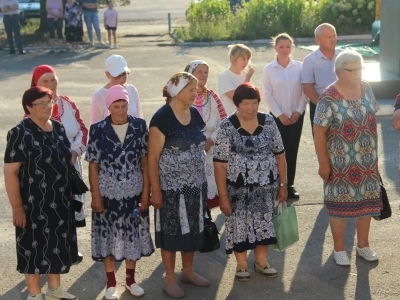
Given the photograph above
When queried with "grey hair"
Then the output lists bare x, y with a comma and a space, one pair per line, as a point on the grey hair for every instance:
322, 26
347, 56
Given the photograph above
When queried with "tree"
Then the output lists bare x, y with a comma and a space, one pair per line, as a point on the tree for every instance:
43, 17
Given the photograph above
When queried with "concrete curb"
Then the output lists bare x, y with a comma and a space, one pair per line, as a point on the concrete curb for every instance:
342, 38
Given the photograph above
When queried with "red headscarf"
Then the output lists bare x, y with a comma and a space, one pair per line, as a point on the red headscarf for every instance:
39, 71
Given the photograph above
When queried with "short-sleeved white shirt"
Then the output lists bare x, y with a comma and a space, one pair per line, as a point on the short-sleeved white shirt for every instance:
319, 69
111, 17
229, 81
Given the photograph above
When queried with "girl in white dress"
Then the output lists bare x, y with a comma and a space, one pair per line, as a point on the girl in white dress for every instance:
212, 111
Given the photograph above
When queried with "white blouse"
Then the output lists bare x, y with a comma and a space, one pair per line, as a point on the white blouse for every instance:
99, 109
282, 88
229, 81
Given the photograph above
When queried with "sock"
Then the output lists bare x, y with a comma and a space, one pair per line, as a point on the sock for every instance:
111, 279
130, 277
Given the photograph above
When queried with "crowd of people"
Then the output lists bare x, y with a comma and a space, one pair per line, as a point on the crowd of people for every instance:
201, 149
64, 24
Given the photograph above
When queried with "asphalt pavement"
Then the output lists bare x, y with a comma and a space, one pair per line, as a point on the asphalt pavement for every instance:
306, 270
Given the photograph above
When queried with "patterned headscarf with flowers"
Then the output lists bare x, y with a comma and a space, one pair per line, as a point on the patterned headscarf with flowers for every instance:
191, 67
177, 83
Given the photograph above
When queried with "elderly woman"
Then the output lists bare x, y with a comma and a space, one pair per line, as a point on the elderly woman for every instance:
250, 171
178, 181
230, 79
345, 137
119, 183
212, 111
43, 217
286, 101
67, 112
117, 72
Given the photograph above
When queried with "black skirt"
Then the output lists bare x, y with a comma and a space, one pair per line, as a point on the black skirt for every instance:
73, 34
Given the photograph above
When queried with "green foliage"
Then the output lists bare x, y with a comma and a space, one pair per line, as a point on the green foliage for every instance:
116, 2
257, 19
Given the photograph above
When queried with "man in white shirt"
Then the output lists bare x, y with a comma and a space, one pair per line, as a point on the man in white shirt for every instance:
318, 67
9, 8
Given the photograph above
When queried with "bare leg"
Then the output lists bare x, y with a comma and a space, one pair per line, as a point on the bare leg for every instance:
114, 37
130, 264
241, 259
187, 263
168, 259
261, 253
109, 37
362, 226
53, 281
33, 284
338, 228
109, 264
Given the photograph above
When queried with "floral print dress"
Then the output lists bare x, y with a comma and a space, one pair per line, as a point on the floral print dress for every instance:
179, 223
116, 231
252, 180
353, 188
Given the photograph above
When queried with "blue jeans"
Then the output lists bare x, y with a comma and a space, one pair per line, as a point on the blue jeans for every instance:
92, 20
11, 24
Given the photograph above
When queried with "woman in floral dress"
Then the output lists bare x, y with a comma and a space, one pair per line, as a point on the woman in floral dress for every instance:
212, 111
178, 181
117, 156
73, 24
345, 136
250, 171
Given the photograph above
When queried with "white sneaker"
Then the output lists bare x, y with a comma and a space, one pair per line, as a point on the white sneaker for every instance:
341, 258
59, 294
135, 290
367, 253
111, 293
116, 46
36, 297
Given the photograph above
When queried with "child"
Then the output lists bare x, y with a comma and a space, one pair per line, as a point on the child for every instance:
111, 22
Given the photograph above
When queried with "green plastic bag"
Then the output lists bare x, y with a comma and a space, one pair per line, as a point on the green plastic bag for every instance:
286, 230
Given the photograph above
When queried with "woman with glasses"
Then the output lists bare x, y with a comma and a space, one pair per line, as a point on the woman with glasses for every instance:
345, 137
67, 113
36, 181
117, 72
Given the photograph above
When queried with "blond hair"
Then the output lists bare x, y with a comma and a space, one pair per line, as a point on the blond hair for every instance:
282, 36
238, 50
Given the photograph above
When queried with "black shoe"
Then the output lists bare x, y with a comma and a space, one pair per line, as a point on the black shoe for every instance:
12, 52
79, 258
22, 52
292, 193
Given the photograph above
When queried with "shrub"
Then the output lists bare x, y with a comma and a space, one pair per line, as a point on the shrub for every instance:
256, 19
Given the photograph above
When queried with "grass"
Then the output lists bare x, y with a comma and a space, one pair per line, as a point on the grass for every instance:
30, 35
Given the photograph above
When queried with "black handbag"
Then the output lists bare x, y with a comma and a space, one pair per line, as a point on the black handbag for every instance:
211, 239
386, 211
78, 186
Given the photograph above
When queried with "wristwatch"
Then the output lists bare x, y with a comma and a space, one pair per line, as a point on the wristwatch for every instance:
281, 184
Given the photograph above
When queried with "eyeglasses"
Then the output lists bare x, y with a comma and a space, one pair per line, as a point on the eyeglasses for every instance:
44, 104
353, 71
121, 75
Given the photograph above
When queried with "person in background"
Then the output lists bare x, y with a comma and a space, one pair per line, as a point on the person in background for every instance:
178, 180
318, 67
117, 72
286, 101
346, 143
91, 17
111, 23
212, 111
67, 113
119, 183
9, 9
73, 24
250, 171
55, 16
240, 71
37, 184
396, 114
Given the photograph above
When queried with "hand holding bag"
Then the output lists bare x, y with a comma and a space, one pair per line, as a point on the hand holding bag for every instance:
286, 229
211, 239
386, 211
